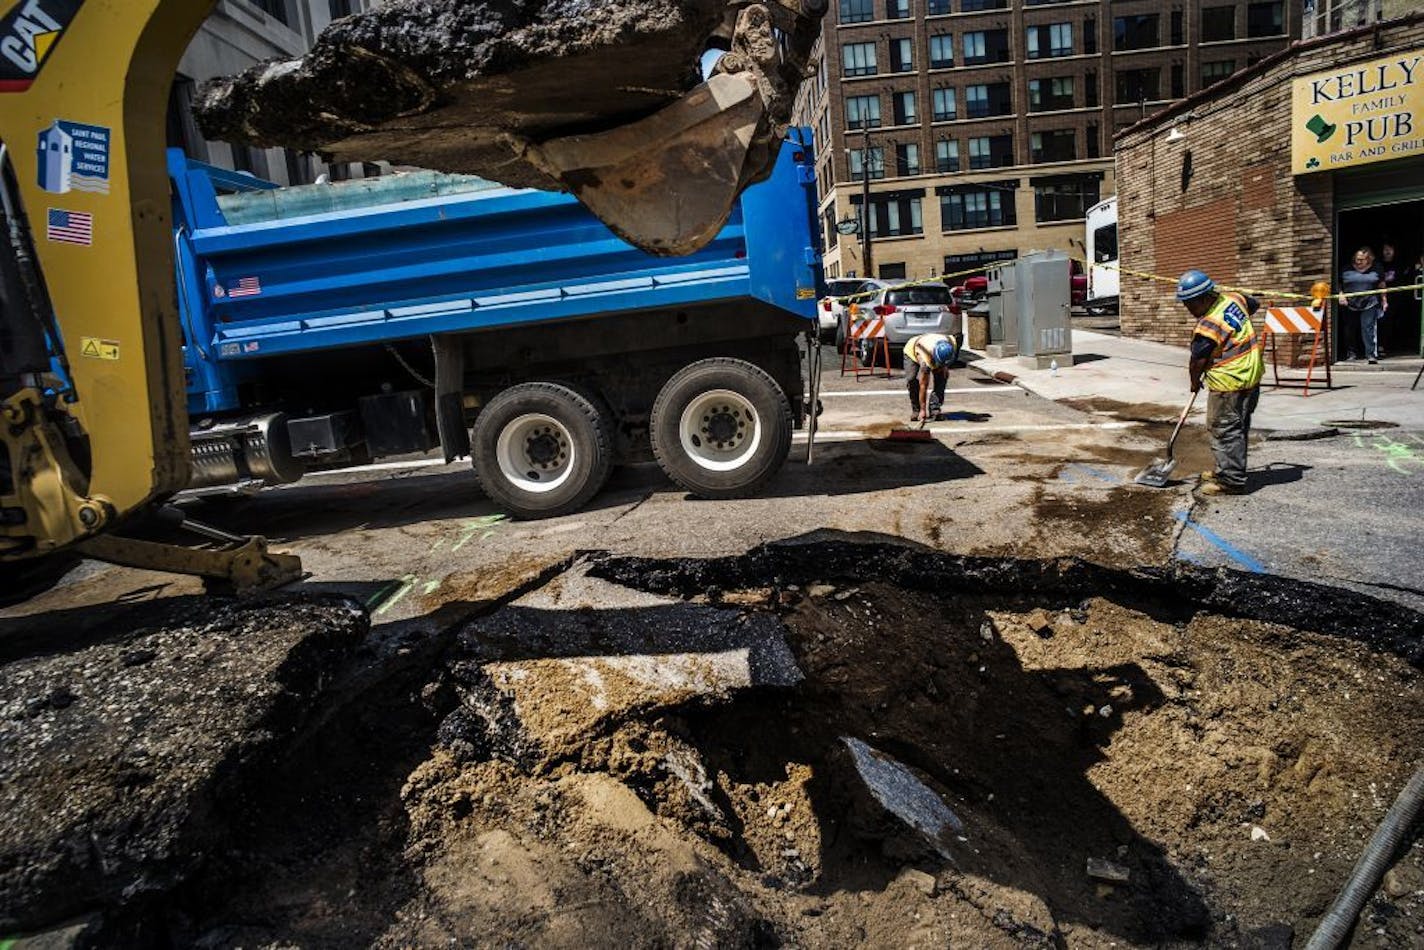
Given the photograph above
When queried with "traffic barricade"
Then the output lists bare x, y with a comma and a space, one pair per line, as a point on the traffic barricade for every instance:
1290, 330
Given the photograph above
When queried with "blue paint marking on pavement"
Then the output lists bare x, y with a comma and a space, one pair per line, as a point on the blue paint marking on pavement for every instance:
1226, 547
1097, 473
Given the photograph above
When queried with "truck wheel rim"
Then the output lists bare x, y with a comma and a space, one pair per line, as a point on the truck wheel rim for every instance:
720, 430
535, 453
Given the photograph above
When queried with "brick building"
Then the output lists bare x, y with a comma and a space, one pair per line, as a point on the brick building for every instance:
1228, 180
989, 123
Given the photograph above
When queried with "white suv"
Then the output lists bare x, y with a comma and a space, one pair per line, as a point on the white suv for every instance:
830, 310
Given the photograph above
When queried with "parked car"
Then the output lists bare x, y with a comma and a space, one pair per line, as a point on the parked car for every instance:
1078, 289
911, 310
830, 309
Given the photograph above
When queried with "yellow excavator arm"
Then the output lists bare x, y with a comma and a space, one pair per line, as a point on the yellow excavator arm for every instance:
93, 424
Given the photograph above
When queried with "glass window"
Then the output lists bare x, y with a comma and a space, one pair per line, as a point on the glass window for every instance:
1138, 85
1135, 32
1090, 89
937, 7
1065, 200
1047, 95
895, 217
977, 207
1105, 244
877, 163
986, 46
1265, 19
988, 99
991, 151
947, 155
862, 112
922, 295
1090, 35
858, 59
1177, 28
907, 158
857, 11
1090, 134
1217, 24
897, 9
276, 9
1217, 70
941, 51
1178, 81
969, 6
1059, 145
902, 55
1053, 39
944, 108
905, 113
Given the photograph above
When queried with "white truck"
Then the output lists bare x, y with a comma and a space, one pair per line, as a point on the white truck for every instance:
1101, 243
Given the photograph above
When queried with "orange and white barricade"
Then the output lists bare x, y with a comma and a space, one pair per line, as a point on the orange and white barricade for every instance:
867, 332
1288, 328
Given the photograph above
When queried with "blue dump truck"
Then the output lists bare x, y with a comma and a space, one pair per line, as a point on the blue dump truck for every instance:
328, 325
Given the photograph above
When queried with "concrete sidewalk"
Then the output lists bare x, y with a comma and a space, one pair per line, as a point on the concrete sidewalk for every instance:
1110, 370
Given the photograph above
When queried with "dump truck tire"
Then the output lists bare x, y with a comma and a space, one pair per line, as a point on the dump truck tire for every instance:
721, 428
542, 449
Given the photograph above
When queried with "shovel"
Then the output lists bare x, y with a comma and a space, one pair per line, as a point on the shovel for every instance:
1155, 475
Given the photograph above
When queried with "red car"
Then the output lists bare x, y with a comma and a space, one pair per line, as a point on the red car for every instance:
974, 288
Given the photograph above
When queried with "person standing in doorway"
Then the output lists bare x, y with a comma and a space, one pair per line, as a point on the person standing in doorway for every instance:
1226, 357
1391, 271
1361, 309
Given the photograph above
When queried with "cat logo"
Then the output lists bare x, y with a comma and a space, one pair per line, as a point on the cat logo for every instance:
28, 34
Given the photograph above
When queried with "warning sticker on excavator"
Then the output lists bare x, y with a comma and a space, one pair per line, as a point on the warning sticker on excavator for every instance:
28, 34
805, 293
97, 349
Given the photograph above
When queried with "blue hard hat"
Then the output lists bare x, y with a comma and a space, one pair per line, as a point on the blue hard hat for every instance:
944, 353
1193, 284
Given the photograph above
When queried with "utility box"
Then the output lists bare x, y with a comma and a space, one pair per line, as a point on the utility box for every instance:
1002, 298
1045, 302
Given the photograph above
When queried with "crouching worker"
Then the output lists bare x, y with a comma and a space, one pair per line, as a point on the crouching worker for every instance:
927, 359
1226, 357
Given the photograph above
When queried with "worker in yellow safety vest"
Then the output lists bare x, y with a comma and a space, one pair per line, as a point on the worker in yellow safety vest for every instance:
1226, 356
927, 360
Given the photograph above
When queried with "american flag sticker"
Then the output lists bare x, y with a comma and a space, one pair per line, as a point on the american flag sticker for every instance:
70, 227
245, 287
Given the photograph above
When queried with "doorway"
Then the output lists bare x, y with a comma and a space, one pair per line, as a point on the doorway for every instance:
1399, 225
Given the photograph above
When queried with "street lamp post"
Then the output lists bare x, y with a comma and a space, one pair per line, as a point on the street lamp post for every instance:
865, 201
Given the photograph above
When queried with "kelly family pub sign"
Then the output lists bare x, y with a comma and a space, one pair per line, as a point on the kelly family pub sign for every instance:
1358, 114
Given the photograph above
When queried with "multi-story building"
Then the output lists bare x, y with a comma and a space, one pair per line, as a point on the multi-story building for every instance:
985, 127
239, 34
1332, 16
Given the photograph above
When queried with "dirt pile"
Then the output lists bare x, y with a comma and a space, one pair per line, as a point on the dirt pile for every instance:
117, 742
831, 744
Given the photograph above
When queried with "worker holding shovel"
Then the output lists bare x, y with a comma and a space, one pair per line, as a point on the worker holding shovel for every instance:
1226, 356
927, 358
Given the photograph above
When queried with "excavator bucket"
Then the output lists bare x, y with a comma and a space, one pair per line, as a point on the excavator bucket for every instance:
545, 95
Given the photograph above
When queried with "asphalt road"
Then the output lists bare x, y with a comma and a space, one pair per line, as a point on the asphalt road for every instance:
1008, 473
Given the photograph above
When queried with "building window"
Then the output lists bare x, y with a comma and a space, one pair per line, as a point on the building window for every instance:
832, 236
1090, 89
898, 10
991, 151
1217, 70
1054, 39
1090, 35
988, 99
937, 7
1090, 134
907, 158
969, 206
341, 8
1178, 81
941, 51
944, 108
969, 6
902, 55
277, 10
877, 163
905, 113
1135, 32
1065, 199
947, 155
1059, 145
857, 11
986, 46
1178, 28
858, 59
894, 217
1265, 19
1138, 85
862, 112
1048, 95
1218, 24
